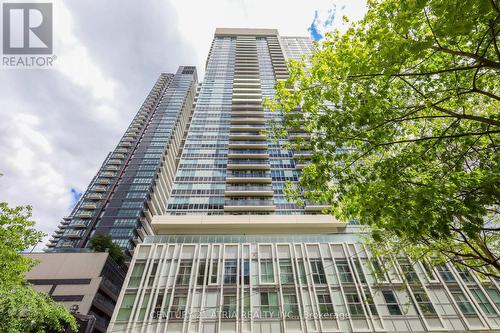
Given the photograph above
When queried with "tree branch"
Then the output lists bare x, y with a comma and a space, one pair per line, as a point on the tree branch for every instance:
484, 61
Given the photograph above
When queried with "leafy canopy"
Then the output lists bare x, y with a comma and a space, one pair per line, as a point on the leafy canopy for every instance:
22, 309
104, 243
403, 111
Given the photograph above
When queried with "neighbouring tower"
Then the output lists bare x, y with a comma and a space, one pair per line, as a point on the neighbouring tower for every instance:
135, 180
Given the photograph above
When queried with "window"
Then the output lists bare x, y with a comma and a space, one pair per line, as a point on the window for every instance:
128, 213
142, 310
184, 273
424, 303
135, 277
136, 195
301, 272
446, 274
344, 271
230, 272
392, 303
371, 303
201, 273
379, 270
465, 274
246, 272
291, 305
494, 295
214, 273
132, 204
462, 302
286, 271
126, 307
266, 271
178, 307
483, 302
318, 272
125, 223
269, 304
354, 304
325, 305
157, 311
229, 306
428, 270
153, 274
408, 271
359, 269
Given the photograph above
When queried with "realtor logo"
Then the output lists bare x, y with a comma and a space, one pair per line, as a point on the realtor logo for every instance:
27, 28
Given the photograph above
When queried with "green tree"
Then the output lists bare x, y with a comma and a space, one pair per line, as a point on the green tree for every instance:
22, 309
104, 243
403, 111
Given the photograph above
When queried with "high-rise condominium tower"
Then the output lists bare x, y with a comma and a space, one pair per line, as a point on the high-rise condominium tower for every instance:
134, 181
231, 254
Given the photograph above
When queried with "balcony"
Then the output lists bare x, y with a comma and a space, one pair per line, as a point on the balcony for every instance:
248, 154
118, 156
248, 190
107, 174
247, 88
95, 196
103, 181
247, 144
247, 136
247, 128
300, 166
296, 136
99, 188
111, 167
244, 205
84, 215
246, 164
238, 80
73, 234
247, 101
77, 223
255, 113
305, 154
121, 150
125, 144
89, 206
315, 207
248, 120
115, 162
248, 177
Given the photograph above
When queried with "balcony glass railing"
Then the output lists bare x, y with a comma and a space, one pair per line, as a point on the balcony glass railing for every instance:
246, 134
248, 151
248, 188
245, 161
249, 202
247, 142
249, 175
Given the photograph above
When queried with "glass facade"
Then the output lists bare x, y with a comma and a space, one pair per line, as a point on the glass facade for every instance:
228, 165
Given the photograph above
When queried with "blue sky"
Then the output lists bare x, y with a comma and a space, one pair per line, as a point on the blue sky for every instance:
58, 124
